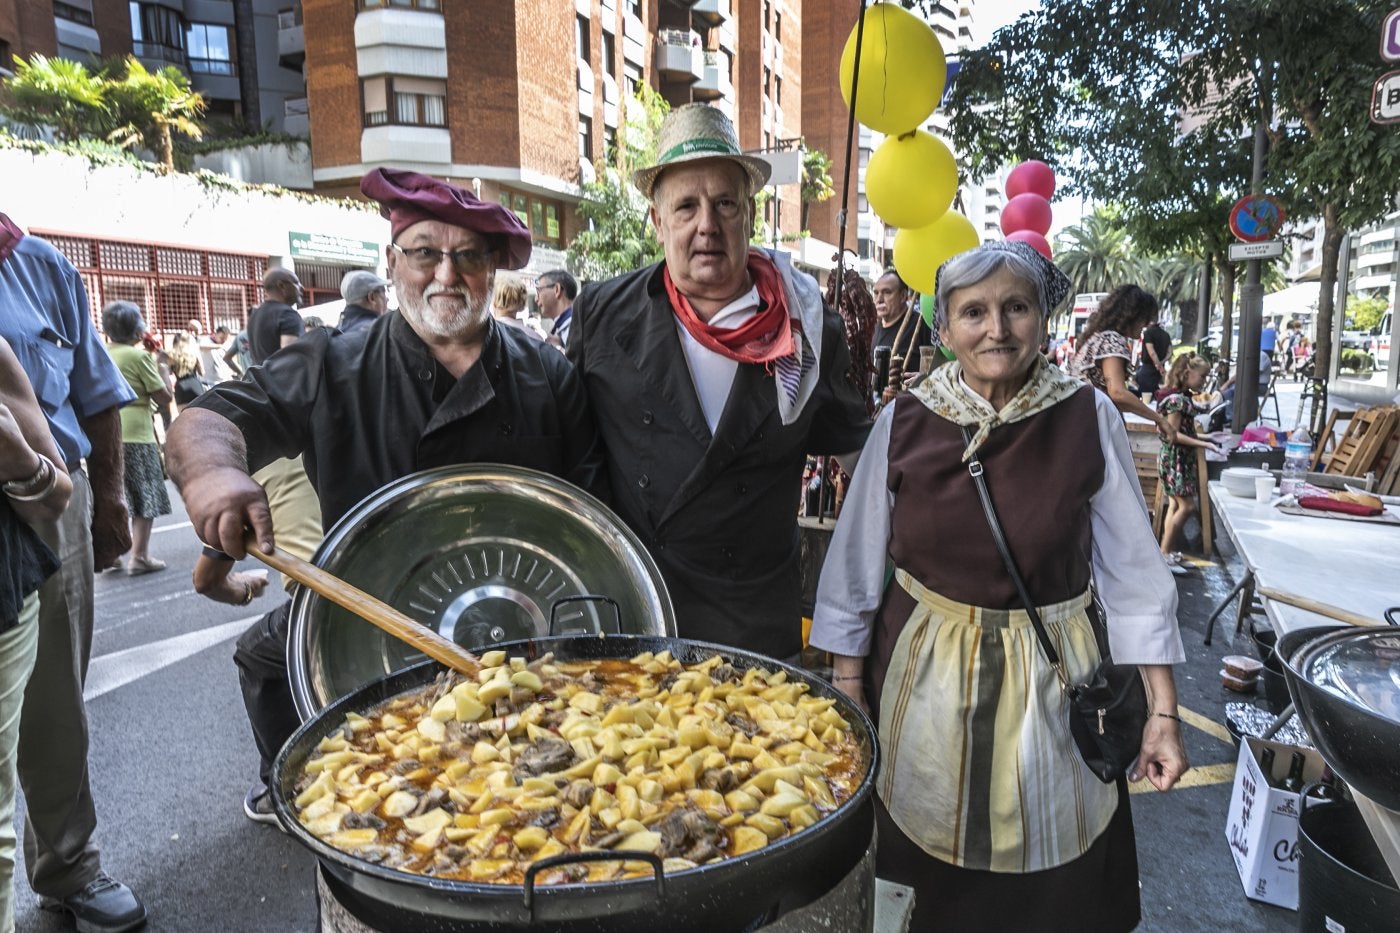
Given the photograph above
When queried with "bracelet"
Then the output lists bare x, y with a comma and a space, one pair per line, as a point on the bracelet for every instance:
36, 487
214, 553
846, 677
1168, 716
247, 594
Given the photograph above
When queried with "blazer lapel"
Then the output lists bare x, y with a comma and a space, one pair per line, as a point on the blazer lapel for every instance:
651, 342
752, 398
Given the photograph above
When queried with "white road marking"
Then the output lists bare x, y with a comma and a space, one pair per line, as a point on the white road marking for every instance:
110, 671
156, 531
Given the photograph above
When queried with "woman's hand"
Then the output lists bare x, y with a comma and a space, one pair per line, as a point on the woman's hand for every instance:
1162, 759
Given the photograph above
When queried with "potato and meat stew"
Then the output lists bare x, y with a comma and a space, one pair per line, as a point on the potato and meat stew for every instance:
473, 780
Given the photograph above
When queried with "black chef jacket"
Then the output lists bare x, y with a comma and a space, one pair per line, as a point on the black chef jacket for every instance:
371, 406
718, 513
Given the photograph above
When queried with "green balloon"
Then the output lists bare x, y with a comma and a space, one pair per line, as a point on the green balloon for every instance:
926, 309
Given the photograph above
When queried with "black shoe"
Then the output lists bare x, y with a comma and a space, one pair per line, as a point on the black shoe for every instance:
257, 806
103, 906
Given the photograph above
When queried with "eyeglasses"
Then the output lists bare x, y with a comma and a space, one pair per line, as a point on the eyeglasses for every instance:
427, 259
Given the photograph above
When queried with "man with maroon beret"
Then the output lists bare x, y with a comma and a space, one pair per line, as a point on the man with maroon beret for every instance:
436, 383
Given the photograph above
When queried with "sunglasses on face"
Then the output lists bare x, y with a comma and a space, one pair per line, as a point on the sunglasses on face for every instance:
427, 259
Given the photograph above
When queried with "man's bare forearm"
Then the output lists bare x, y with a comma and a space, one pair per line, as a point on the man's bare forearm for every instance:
201, 441
105, 466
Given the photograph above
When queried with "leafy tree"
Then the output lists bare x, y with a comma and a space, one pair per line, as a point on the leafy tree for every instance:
619, 237
58, 93
150, 107
1095, 253
816, 181
1155, 102
1365, 313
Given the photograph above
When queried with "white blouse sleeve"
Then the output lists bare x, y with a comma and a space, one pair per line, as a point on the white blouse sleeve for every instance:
1137, 589
853, 576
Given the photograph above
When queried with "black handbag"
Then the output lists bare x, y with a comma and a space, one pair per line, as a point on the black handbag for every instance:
1109, 710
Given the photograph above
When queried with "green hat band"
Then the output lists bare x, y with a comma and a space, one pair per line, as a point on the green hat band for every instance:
718, 146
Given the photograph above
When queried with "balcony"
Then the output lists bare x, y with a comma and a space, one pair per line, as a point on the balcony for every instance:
679, 56
291, 39
155, 56
714, 83
398, 145
710, 13
296, 116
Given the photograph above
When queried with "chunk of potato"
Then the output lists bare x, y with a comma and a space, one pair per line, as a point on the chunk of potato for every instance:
748, 839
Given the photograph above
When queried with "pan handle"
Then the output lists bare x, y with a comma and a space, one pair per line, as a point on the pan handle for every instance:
610, 855
1392, 615
586, 598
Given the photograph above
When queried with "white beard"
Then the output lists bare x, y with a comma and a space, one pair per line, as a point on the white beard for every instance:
466, 320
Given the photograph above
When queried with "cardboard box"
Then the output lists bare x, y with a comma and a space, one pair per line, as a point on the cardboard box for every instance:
1262, 828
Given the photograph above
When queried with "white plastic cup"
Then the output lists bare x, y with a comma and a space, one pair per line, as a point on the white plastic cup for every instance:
1263, 488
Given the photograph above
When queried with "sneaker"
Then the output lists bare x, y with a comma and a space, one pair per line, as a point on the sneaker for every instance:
257, 806
140, 565
102, 906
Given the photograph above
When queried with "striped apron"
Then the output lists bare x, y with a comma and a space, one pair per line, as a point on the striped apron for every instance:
979, 766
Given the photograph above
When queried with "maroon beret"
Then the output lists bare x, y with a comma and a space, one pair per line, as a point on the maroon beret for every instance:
409, 197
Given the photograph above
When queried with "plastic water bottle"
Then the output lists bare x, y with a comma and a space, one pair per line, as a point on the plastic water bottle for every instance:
1297, 457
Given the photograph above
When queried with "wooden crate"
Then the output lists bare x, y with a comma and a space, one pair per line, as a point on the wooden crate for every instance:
1365, 439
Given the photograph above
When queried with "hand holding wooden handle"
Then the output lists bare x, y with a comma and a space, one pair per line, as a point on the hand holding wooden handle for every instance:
374, 611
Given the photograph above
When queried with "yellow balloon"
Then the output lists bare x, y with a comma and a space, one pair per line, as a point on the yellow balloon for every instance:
919, 251
902, 70
911, 179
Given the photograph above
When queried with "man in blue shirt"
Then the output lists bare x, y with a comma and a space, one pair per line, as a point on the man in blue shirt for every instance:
46, 320
555, 292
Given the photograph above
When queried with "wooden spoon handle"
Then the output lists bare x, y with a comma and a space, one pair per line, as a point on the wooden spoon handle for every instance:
372, 610
1312, 605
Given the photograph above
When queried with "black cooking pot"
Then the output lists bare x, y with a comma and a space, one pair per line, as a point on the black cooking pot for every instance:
1360, 744
735, 894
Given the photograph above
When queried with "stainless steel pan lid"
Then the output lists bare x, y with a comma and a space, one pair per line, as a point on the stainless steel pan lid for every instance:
481, 554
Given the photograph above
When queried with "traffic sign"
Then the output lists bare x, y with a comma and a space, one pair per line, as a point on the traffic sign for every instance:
1256, 217
1390, 37
1264, 249
1385, 98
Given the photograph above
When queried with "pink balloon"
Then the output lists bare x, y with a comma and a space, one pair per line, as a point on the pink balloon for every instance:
1032, 239
1027, 212
1034, 177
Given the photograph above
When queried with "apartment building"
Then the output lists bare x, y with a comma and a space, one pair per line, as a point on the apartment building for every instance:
519, 100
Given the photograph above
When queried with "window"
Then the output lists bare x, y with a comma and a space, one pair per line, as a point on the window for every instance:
609, 62
74, 14
153, 25
631, 77
429, 5
208, 46
767, 83
635, 8
404, 101
541, 215
581, 36
778, 90
585, 137
609, 141
777, 25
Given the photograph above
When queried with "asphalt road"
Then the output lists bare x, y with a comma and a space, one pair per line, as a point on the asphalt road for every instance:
171, 758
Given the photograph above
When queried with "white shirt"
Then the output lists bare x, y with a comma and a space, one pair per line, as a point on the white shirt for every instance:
1132, 580
711, 372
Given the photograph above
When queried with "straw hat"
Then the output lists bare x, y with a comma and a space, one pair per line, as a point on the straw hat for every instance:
698, 131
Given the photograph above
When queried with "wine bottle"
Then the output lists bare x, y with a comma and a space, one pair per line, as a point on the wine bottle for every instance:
1266, 765
1294, 781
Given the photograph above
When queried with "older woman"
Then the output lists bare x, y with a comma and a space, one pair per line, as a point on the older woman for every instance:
146, 497
1106, 349
35, 488
985, 806
508, 302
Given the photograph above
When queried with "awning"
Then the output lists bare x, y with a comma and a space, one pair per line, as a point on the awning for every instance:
1295, 301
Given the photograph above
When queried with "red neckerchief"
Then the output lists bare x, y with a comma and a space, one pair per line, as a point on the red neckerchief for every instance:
765, 337
9, 236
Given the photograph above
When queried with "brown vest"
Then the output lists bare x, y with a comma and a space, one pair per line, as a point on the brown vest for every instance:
1041, 472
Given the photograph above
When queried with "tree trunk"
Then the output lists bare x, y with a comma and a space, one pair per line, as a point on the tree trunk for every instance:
1326, 303
167, 148
1203, 302
1227, 305
246, 36
1186, 314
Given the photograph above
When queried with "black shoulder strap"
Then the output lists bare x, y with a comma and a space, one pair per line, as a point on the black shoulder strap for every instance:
974, 466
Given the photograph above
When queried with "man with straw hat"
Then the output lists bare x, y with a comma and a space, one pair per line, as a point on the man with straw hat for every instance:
713, 374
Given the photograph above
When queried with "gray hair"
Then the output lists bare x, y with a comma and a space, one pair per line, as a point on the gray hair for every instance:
973, 266
122, 322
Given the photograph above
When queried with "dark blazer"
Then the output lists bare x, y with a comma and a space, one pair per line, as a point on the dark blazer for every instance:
719, 514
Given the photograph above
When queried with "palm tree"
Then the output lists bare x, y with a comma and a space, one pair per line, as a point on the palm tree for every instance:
151, 106
1096, 254
816, 180
57, 93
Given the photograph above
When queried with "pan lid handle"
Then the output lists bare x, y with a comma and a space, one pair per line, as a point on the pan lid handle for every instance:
611, 855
